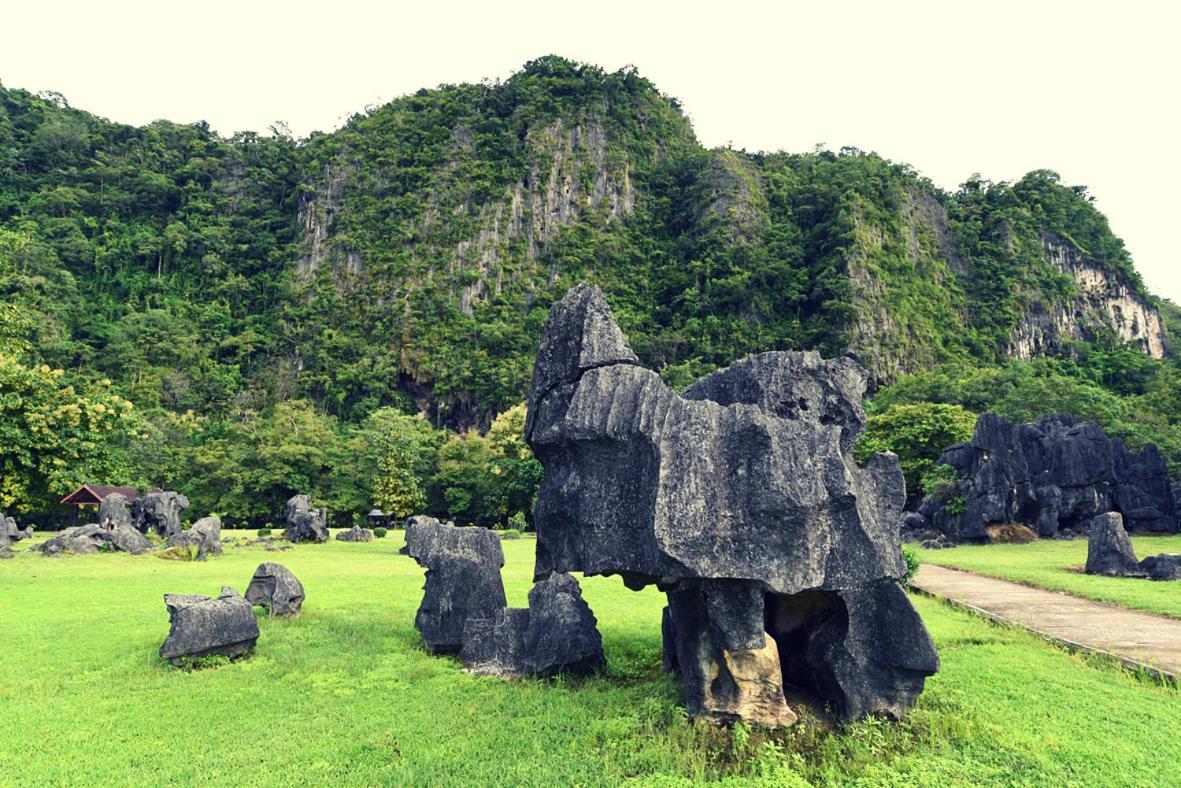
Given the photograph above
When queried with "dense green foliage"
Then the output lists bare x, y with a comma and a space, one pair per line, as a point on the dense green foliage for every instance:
279, 310
918, 433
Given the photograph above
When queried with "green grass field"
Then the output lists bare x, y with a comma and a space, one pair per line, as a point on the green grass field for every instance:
1056, 564
345, 693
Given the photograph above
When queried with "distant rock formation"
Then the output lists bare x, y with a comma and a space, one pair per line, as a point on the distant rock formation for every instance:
10, 534
159, 512
305, 524
355, 534
114, 511
1109, 552
91, 538
741, 499
1053, 474
205, 535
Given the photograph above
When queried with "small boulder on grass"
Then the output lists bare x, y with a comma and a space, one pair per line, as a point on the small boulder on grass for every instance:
1109, 550
276, 588
1166, 566
1010, 533
355, 534
202, 627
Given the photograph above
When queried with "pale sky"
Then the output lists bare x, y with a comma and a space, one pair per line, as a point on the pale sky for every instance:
996, 87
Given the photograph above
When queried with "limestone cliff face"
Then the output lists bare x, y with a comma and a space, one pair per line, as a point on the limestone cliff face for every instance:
1103, 301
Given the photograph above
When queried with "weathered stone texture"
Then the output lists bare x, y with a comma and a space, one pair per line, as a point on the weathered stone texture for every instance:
200, 626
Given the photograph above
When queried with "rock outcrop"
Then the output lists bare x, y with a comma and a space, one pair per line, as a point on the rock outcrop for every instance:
1054, 475
742, 500
557, 633
276, 588
462, 581
1109, 552
91, 538
159, 512
305, 524
10, 534
355, 534
205, 535
1165, 566
201, 627
114, 511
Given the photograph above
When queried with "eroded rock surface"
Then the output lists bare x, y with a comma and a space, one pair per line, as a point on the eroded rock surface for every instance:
276, 588
159, 512
205, 535
91, 538
355, 534
114, 511
305, 524
10, 533
734, 498
200, 626
1054, 475
1165, 566
462, 581
1109, 550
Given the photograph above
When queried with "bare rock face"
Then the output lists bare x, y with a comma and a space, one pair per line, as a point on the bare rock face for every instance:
114, 512
1165, 566
159, 512
1054, 475
10, 534
355, 534
276, 588
1109, 550
557, 633
91, 538
129, 540
305, 524
205, 535
742, 500
200, 626
462, 581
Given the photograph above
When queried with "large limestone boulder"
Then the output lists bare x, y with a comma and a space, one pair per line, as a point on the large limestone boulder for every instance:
114, 511
10, 534
276, 588
462, 581
557, 633
159, 512
305, 524
1165, 566
1054, 475
741, 499
205, 535
129, 540
200, 626
1109, 550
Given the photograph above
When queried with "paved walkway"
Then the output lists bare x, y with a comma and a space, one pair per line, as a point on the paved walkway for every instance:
1139, 639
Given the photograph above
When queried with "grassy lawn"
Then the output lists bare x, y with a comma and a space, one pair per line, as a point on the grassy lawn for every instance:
346, 693
1053, 564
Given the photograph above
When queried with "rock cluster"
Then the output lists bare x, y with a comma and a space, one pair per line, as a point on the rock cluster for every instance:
159, 512
205, 535
1054, 475
464, 610
355, 534
741, 499
200, 626
1109, 552
10, 534
87, 539
305, 524
276, 588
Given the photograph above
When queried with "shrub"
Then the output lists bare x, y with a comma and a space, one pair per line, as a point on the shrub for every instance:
264, 532
918, 433
380, 532
911, 556
517, 521
510, 533
1011, 533
181, 553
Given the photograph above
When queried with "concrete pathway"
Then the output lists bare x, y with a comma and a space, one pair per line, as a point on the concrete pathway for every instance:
1138, 639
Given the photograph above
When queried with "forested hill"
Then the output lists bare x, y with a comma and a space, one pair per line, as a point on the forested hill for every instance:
408, 259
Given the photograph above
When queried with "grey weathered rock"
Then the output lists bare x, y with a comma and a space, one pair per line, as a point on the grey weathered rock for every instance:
159, 512
1165, 566
1109, 550
277, 589
6, 553
557, 633
113, 512
200, 626
205, 535
10, 534
129, 540
305, 524
1053, 474
742, 491
355, 534
462, 581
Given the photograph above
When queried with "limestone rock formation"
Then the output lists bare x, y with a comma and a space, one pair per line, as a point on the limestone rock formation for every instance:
1054, 475
10, 534
742, 500
462, 581
114, 512
91, 538
205, 535
276, 588
129, 540
305, 524
200, 626
159, 512
557, 633
355, 534
1165, 566
1109, 550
